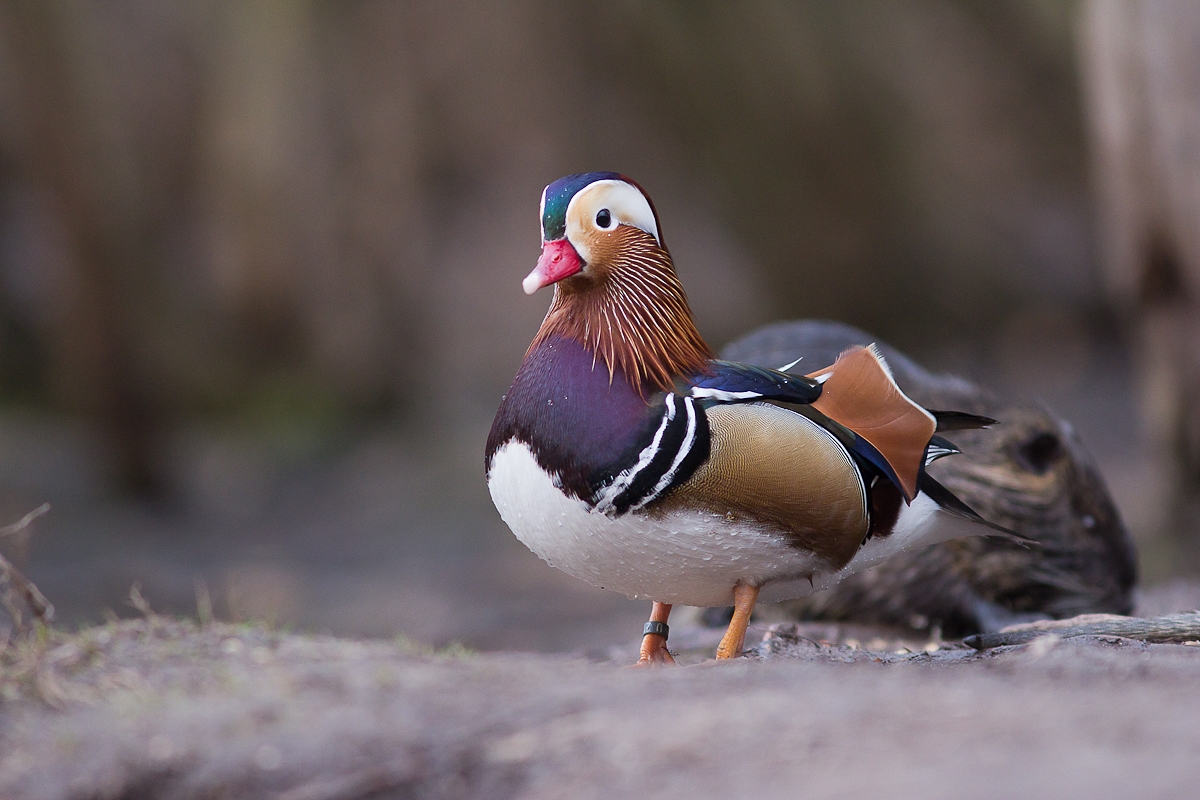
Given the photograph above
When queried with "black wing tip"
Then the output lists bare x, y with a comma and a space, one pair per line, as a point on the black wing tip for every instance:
949, 501
940, 447
961, 421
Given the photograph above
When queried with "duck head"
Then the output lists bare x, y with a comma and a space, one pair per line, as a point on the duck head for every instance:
581, 219
615, 287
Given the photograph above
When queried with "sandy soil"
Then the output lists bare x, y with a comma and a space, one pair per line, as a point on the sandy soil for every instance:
160, 708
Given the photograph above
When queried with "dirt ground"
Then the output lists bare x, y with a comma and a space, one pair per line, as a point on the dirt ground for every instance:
168, 709
157, 708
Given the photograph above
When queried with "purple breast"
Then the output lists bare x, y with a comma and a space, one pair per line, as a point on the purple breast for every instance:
580, 425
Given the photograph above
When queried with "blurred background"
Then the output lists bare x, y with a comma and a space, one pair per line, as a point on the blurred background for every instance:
260, 263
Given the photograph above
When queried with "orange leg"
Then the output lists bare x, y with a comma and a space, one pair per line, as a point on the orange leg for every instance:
744, 598
654, 645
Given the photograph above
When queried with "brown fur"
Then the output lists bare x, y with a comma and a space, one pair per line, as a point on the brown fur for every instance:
629, 308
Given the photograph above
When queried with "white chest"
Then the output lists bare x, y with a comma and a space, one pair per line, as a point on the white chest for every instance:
686, 557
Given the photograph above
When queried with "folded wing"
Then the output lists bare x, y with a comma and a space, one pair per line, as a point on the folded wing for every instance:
858, 391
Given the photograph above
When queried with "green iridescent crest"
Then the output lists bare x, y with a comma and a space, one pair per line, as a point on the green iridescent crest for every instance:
558, 196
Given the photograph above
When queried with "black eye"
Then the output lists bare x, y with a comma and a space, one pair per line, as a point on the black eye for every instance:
1040, 452
603, 218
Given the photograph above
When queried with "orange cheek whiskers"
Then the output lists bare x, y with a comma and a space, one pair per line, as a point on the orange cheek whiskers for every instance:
632, 312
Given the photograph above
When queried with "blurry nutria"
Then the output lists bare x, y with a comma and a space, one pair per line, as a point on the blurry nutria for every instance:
1030, 473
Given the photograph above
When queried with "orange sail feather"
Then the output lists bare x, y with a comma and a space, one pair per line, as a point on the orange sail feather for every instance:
861, 394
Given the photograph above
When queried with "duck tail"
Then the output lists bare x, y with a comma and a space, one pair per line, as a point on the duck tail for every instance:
950, 502
960, 421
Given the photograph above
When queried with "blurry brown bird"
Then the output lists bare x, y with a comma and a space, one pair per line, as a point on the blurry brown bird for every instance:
1031, 474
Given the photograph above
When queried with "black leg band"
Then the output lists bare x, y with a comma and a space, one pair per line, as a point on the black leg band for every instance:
660, 628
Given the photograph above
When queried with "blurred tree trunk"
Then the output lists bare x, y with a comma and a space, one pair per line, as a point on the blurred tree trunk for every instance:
108, 137
1141, 71
281, 206
240, 187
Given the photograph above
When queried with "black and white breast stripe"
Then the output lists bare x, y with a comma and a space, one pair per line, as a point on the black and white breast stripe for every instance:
678, 446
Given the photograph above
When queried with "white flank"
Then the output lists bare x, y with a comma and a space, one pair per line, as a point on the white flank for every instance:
691, 558
920, 524
688, 557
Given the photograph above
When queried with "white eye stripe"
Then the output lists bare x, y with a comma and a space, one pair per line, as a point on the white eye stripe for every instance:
624, 202
542, 215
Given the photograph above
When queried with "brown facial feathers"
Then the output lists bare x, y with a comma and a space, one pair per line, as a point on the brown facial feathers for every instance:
628, 307
785, 472
861, 394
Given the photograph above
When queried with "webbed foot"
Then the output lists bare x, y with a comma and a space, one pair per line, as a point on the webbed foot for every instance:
744, 598
654, 638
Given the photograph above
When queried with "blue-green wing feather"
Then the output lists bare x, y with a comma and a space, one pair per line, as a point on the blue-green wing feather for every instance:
731, 382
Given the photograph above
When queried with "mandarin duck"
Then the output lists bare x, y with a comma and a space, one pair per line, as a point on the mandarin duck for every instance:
627, 455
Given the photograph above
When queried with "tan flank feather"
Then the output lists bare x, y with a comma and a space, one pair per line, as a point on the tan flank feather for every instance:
785, 472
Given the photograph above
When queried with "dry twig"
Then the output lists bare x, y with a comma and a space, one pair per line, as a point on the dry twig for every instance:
1172, 628
140, 603
15, 587
23, 522
204, 607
